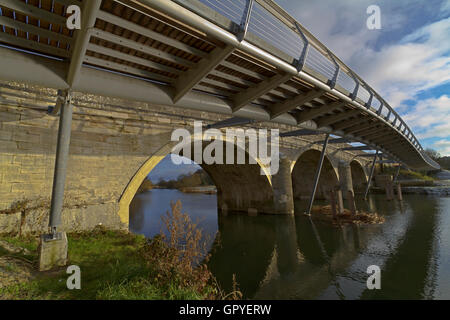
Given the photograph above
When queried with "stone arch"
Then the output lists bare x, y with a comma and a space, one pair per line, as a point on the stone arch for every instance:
359, 177
240, 187
303, 175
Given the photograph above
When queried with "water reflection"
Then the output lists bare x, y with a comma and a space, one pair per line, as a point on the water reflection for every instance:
147, 208
279, 257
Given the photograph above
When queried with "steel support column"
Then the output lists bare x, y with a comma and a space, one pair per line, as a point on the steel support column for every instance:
62, 156
317, 175
396, 173
372, 170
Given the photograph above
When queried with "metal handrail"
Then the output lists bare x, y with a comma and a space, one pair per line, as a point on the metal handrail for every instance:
333, 69
277, 33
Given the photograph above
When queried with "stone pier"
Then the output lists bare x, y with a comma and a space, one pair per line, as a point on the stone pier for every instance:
282, 188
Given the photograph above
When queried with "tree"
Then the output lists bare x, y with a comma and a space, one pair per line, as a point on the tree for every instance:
145, 186
433, 154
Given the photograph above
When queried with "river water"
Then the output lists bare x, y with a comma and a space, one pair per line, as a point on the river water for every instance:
279, 257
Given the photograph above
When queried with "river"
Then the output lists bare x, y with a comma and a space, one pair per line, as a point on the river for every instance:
279, 257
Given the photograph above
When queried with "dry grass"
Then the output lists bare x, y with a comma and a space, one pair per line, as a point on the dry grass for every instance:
180, 255
324, 212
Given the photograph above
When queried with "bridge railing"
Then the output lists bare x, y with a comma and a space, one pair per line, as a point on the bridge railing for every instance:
267, 25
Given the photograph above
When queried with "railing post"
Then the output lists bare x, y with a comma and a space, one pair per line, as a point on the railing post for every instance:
369, 102
304, 54
245, 20
317, 174
332, 82
355, 91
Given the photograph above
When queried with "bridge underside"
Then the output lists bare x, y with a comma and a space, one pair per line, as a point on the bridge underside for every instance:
193, 57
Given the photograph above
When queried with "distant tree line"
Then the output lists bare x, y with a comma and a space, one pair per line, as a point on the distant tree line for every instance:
197, 179
146, 185
436, 156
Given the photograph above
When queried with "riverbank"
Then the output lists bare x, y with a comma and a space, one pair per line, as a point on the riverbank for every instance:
114, 265
201, 189
440, 186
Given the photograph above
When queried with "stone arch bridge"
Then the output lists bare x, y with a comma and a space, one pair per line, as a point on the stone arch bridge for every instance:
114, 147
215, 60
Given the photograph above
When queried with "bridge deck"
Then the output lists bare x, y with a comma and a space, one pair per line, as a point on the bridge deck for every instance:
240, 57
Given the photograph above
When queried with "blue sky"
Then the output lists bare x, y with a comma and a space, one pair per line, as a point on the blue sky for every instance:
407, 61
168, 171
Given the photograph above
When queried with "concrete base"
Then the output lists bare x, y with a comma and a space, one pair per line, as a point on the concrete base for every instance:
52, 252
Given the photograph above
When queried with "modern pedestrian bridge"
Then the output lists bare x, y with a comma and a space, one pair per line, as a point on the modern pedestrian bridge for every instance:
139, 69
245, 58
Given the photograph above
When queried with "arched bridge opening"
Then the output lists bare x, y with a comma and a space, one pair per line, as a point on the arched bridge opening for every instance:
303, 176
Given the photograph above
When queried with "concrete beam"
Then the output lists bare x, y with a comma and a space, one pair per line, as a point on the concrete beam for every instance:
291, 104
304, 116
104, 35
193, 76
361, 125
336, 118
15, 24
366, 133
33, 45
347, 124
33, 11
111, 18
247, 96
89, 16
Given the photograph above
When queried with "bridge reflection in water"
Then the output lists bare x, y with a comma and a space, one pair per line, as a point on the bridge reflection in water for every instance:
281, 257
290, 257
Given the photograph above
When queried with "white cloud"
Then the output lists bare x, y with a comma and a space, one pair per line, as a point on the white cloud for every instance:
443, 146
419, 62
430, 117
445, 8
407, 57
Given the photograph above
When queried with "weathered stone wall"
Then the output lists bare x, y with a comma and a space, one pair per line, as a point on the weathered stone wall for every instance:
112, 142
106, 150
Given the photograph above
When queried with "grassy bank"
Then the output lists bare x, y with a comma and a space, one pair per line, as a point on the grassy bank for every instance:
409, 174
117, 265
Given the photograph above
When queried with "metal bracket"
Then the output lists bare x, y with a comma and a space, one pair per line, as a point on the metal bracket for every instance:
389, 113
332, 82
64, 97
53, 236
380, 108
354, 94
245, 20
302, 60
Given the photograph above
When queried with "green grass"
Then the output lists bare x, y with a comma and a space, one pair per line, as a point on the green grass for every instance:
408, 174
112, 267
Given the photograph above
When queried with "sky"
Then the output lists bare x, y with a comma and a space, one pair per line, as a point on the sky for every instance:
166, 170
407, 61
